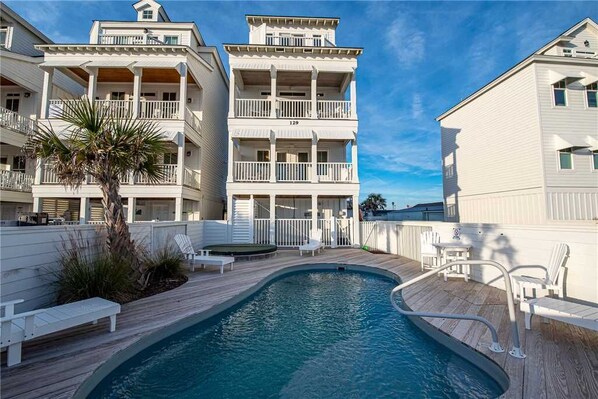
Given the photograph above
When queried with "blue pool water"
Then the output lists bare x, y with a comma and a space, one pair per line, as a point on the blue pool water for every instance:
321, 334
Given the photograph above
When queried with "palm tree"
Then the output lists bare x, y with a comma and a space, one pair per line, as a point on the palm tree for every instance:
373, 202
106, 148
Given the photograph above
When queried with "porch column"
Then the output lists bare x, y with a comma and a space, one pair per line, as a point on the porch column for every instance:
131, 205
37, 204
272, 158
272, 91
46, 92
231, 96
354, 159
231, 160
314, 94
178, 209
84, 210
353, 97
137, 74
272, 219
355, 233
92, 84
251, 218
182, 90
314, 158
38, 171
180, 168
229, 208
314, 212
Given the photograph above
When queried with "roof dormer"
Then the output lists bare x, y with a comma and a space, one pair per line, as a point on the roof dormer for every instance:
150, 11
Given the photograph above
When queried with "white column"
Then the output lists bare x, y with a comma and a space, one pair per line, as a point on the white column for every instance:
355, 233
272, 91
272, 219
182, 91
229, 208
178, 209
231, 160
131, 205
314, 94
354, 160
272, 158
84, 210
333, 233
46, 92
314, 212
251, 217
38, 171
137, 74
37, 204
353, 97
180, 159
314, 159
92, 84
231, 96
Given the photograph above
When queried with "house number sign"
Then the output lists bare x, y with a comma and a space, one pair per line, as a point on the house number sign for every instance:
294, 122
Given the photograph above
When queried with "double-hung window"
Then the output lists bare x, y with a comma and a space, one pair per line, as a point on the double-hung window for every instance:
559, 90
592, 95
565, 160
171, 40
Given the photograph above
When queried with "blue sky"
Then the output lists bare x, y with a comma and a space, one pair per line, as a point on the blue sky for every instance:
420, 58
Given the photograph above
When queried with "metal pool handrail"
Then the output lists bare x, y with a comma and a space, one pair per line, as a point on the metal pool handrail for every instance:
495, 347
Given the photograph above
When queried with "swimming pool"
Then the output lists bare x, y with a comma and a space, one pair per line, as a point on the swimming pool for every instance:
310, 334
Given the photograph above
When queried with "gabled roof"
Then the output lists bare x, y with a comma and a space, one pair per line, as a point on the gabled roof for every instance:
292, 20
4, 9
154, 4
565, 36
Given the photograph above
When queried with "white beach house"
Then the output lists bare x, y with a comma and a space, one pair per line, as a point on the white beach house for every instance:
524, 148
153, 69
292, 144
21, 84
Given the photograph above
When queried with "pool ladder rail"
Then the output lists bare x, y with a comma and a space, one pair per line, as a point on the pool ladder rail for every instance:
495, 346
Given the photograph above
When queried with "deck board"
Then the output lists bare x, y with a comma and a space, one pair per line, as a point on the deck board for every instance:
561, 360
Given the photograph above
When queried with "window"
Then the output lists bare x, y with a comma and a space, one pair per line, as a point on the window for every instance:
263, 156
265, 93
281, 157
169, 96
592, 95
170, 158
322, 156
559, 89
171, 40
147, 14
302, 157
117, 95
567, 52
595, 160
317, 40
3, 37
565, 160
292, 94
12, 101
148, 94
18, 163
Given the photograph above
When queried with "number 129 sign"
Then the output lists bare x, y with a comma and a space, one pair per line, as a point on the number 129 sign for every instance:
294, 122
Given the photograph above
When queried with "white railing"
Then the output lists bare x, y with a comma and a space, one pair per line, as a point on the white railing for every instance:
16, 122
124, 40
48, 175
191, 178
252, 108
17, 181
57, 108
332, 109
252, 171
120, 109
169, 173
292, 232
192, 120
293, 171
125, 179
296, 41
326, 226
261, 231
159, 109
294, 108
344, 232
335, 172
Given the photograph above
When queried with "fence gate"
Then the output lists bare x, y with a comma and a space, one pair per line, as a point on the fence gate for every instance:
242, 231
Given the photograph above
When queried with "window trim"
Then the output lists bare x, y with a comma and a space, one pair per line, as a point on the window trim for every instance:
177, 37
558, 158
564, 89
303, 152
150, 13
592, 164
587, 90
257, 151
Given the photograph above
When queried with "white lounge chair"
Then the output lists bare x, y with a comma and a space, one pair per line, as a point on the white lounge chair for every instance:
429, 251
558, 309
313, 244
17, 328
554, 274
201, 257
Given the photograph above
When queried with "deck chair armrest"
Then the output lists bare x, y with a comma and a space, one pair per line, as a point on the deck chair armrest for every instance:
21, 315
6, 322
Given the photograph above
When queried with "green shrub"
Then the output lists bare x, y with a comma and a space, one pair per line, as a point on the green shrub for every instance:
166, 263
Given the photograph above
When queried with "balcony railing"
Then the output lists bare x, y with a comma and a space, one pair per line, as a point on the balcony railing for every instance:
252, 171
169, 176
297, 41
292, 109
192, 119
169, 173
16, 181
191, 178
159, 110
16, 122
293, 172
120, 109
335, 172
125, 40
124, 108
329, 172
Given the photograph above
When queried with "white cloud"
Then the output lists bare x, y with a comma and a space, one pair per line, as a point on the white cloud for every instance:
417, 108
405, 41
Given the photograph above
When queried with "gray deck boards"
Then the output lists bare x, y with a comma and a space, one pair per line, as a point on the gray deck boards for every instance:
562, 360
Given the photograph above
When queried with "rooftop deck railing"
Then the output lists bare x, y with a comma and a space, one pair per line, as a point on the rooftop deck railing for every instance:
124, 40
15, 181
16, 122
297, 41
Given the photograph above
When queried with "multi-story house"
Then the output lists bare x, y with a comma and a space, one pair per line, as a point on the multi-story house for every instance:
292, 144
524, 148
21, 84
154, 69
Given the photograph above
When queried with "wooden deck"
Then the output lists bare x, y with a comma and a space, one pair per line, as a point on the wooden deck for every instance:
562, 360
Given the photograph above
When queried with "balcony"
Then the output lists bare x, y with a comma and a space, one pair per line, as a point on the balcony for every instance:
19, 123
292, 172
124, 109
297, 41
15, 181
293, 109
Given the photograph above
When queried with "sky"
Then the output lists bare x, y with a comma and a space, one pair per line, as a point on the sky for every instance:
419, 59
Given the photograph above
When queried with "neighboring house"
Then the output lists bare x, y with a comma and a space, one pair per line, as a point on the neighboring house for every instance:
524, 148
292, 123
433, 211
152, 69
21, 84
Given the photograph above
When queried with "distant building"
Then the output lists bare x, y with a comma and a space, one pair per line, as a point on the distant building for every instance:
433, 211
524, 148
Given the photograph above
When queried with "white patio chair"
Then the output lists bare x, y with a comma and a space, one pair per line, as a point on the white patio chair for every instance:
313, 244
429, 251
201, 257
554, 274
